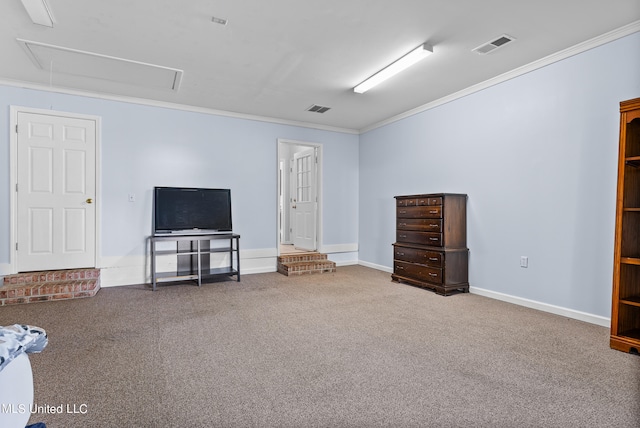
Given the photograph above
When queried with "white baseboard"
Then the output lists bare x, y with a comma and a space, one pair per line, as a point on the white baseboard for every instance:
338, 248
5, 269
375, 266
346, 263
545, 307
258, 261
342, 258
130, 270
117, 271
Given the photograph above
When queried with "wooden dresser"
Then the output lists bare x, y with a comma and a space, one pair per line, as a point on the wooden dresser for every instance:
431, 242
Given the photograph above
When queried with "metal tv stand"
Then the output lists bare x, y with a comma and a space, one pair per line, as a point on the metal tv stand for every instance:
193, 253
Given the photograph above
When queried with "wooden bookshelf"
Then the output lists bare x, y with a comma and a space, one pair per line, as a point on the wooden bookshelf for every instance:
625, 311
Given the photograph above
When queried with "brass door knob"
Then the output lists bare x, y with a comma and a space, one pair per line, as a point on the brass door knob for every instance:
89, 201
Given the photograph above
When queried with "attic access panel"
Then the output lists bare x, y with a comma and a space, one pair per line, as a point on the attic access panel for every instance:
58, 59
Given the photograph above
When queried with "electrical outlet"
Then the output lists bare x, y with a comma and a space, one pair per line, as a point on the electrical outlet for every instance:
132, 197
524, 261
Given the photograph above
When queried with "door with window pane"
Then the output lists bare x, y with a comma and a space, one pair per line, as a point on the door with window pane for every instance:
304, 205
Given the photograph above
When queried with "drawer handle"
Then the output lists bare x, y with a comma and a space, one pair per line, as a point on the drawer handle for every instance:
403, 211
433, 274
433, 259
403, 224
403, 236
422, 201
433, 212
433, 225
400, 254
433, 239
399, 268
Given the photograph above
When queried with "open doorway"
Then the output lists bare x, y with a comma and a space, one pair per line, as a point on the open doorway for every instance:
299, 196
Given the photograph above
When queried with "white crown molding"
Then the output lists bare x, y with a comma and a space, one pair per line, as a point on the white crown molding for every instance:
550, 59
616, 34
173, 106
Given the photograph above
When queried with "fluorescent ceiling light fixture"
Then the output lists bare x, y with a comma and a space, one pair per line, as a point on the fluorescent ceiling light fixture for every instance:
39, 12
406, 61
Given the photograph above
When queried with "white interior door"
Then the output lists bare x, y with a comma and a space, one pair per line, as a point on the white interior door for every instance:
304, 203
56, 188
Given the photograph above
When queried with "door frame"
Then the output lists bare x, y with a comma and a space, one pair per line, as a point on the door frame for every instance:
319, 169
13, 177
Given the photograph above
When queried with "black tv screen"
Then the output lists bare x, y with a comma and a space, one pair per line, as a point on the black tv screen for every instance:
188, 210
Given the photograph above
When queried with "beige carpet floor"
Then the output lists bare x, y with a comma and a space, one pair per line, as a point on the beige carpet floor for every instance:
346, 349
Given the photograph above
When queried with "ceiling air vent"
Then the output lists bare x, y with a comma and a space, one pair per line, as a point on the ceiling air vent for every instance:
485, 48
318, 109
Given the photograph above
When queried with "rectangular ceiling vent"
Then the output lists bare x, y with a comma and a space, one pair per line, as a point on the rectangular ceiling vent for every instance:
491, 46
318, 109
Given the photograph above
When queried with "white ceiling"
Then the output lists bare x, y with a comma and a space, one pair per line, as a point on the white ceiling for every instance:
276, 58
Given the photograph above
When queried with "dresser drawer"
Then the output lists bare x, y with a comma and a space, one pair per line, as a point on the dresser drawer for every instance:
420, 201
406, 202
414, 255
421, 224
419, 212
431, 201
420, 272
422, 238
434, 259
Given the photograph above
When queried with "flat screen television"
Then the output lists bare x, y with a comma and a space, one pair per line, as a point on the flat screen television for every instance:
191, 210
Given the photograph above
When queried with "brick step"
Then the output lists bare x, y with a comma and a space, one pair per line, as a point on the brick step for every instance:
301, 257
34, 287
307, 263
51, 276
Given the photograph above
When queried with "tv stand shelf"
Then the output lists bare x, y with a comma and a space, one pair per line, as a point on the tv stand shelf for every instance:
193, 253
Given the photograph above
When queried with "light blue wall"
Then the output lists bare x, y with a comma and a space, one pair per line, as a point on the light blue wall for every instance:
145, 146
537, 156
